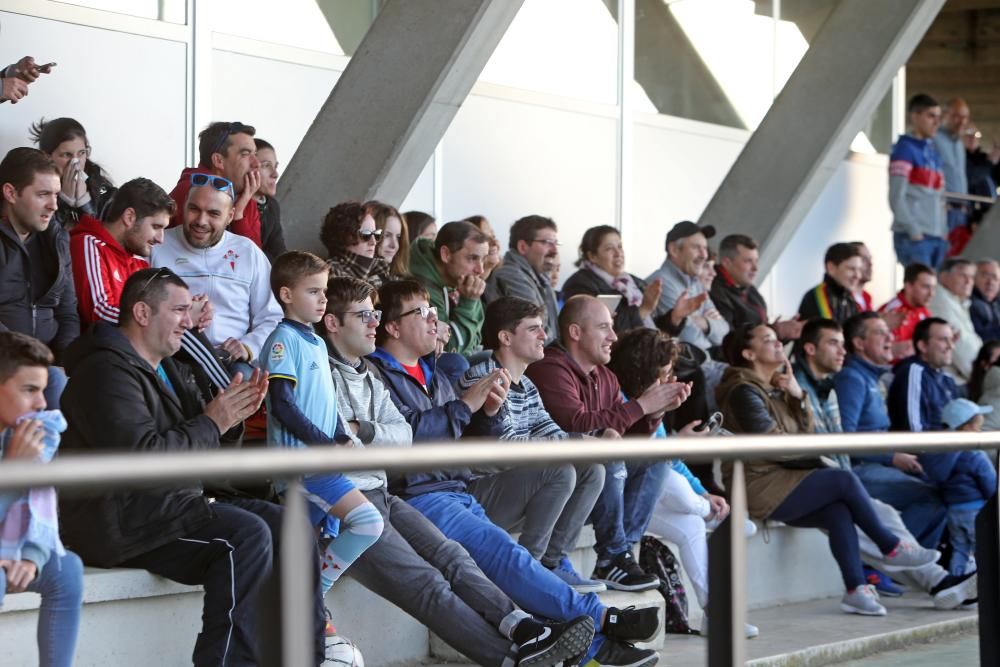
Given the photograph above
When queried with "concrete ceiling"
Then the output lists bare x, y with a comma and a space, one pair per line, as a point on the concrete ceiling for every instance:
960, 57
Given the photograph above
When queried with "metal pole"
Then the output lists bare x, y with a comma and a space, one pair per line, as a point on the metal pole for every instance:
297, 578
727, 572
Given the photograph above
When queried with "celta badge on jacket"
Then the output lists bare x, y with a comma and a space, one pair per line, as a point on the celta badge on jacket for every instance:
231, 257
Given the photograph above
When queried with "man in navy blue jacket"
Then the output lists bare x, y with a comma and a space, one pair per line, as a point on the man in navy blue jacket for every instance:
920, 387
896, 479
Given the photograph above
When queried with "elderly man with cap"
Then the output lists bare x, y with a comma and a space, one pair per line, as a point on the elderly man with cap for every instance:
687, 251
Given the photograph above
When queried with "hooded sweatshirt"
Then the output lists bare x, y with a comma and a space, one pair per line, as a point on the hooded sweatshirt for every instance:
361, 397
248, 225
464, 316
916, 181
100, 268
582, 402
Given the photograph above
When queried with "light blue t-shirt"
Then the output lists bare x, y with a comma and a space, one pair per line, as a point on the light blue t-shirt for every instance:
299, 355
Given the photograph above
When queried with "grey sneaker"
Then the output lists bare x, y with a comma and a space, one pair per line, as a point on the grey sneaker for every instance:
908, 555
564, 570
862, 600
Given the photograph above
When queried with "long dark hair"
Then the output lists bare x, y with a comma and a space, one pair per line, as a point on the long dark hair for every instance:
48, 134
637, 357
981, 367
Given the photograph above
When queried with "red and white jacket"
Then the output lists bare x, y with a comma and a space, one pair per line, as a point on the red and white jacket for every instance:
100, 268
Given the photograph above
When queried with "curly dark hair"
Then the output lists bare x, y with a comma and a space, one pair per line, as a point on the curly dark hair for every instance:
638, 356
341, 226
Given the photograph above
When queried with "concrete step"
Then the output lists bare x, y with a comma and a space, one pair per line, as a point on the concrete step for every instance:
132, 617
817, 633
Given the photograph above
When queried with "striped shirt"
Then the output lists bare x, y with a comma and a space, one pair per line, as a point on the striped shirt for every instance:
523, 417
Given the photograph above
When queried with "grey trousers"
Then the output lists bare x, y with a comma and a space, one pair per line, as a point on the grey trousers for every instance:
924, 577
549, 506
414, 566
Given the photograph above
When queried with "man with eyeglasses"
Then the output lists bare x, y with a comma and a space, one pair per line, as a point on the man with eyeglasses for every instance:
227, 150
36, 280
230, 270
348, 327
533, 254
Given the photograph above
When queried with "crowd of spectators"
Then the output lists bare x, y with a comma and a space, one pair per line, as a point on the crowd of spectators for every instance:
136, 320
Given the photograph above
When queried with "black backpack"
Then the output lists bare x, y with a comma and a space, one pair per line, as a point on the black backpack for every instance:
655, 557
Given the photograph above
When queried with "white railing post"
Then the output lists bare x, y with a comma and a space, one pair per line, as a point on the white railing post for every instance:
297, 626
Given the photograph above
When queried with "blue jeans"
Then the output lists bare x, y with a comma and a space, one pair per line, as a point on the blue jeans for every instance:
962, 532
930, 250
60, 584
917, 500
509, 565
54, 388
957, 217
625, 506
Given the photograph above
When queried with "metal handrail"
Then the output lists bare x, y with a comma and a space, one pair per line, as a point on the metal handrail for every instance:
137, 469
726, 547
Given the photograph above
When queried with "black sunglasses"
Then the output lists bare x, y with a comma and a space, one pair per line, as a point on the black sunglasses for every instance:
367, 236
162, 272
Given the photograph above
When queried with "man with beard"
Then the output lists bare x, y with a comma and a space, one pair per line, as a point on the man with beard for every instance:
105, 254
534, 252
229, 269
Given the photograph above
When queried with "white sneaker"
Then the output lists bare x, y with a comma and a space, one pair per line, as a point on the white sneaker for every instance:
862, 600
749, 527
750, 630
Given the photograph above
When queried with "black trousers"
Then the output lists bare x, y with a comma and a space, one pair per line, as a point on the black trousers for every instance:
989, 585
233, 558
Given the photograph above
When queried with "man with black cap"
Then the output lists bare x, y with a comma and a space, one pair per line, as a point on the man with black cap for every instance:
687, 252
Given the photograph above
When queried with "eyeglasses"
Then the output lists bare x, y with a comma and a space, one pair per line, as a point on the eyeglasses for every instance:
366, 315
425, 312
218, 182
368, 235
236, 127
162, 272
549, 242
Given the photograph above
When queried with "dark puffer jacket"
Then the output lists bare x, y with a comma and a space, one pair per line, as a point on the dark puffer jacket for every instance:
116, 402
52, 318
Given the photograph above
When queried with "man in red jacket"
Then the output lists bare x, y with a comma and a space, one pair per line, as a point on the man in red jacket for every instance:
227, 150
105, 254
582, 395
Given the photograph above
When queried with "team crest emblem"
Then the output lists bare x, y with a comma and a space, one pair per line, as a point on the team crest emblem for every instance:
231, 257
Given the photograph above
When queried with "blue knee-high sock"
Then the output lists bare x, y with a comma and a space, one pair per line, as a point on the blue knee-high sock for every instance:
358, 531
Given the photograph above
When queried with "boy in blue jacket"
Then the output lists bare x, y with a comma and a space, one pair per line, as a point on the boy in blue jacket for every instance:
967, 481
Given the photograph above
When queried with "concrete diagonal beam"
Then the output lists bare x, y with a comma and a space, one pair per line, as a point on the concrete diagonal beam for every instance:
807, 132
390, 108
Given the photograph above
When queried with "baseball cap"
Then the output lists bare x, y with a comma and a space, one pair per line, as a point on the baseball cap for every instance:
960, 410
686, 228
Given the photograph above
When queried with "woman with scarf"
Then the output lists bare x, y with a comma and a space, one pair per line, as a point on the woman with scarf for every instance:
351, 238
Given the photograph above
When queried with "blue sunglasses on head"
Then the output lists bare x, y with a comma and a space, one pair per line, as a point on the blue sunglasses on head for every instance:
217, 182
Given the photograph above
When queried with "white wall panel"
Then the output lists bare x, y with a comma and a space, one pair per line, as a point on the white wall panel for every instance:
506, 159
128, 91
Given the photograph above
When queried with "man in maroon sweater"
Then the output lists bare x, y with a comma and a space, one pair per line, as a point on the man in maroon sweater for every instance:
583, 395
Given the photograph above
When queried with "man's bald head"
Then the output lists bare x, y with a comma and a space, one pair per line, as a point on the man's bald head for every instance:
578, 309
956, 116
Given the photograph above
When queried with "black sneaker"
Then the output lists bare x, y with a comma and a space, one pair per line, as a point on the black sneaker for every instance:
624, 574
552, 643
623, 654
633, 624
